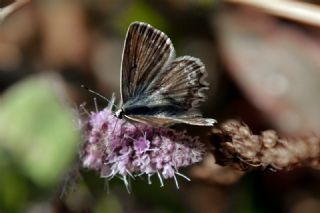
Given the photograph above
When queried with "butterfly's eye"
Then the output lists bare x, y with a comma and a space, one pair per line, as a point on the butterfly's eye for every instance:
119, 113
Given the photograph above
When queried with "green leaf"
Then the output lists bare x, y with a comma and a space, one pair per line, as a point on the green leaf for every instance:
37, 129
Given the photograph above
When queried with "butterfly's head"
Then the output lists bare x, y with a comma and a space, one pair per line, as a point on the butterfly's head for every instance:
119, 113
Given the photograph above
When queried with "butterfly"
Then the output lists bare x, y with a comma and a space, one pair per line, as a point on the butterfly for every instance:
157, 88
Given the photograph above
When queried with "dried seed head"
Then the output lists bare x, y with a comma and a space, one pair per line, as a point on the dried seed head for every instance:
236, 146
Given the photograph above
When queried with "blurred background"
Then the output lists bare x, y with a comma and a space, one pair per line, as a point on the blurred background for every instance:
262, 58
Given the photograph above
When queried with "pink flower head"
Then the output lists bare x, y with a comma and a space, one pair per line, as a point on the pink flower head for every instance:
116, 147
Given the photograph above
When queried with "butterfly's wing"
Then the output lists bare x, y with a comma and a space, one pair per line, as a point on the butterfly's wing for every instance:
181, 84
146, 52
156, 88
167, 121
173, 97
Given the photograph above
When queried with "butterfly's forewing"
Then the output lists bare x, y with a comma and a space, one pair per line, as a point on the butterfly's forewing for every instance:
146, 52
173, 97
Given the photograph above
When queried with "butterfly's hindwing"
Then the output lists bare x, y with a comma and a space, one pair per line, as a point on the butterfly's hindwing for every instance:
165, 121
183, 82
177, 91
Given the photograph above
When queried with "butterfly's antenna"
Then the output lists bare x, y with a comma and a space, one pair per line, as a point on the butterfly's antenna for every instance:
115, 126
98, 94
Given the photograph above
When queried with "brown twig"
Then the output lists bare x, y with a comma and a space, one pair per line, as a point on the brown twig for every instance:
298, 11
8, 10
236, 146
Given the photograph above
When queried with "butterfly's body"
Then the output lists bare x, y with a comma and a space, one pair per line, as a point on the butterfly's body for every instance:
156, 87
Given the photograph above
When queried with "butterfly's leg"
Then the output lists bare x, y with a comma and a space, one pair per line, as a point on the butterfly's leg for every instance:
115, 126
142, 133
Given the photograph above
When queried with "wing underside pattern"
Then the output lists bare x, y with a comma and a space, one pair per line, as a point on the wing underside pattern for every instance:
155, 87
